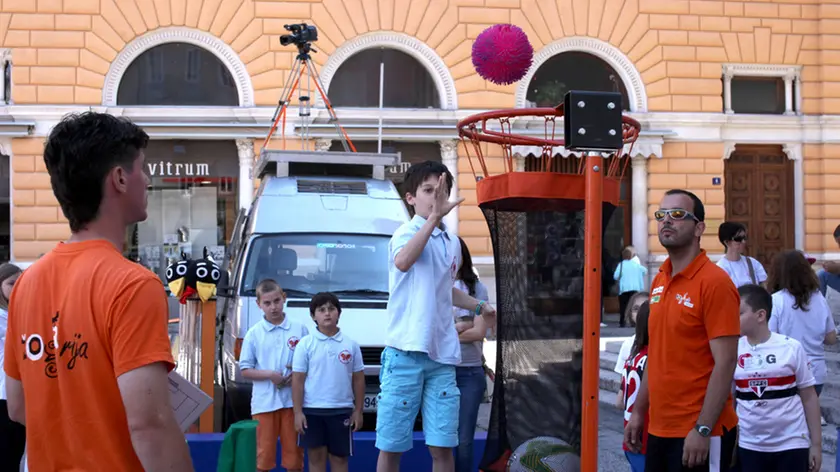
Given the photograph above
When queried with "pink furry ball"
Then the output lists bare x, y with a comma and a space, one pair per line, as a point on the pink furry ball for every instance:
502, 54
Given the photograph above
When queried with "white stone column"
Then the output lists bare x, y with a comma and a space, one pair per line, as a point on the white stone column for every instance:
789, 95
639, 206
797, 94
5, 56
449, 157
727, 92
245, 148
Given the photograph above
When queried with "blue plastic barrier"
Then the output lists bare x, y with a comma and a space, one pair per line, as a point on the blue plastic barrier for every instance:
204, 449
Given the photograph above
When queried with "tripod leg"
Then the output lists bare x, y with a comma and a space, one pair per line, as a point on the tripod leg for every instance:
281, 112
341, 132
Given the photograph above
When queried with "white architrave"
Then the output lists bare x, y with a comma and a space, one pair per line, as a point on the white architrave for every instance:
610, 54
410, 45
178, 34
793, 151
790, 74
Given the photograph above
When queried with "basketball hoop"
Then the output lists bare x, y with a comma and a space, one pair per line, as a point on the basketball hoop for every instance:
514, 189
546, 223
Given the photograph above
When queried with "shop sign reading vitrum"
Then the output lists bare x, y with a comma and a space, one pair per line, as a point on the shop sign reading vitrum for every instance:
178, 169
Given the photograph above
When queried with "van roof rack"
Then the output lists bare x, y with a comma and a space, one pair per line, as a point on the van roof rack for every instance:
275, 162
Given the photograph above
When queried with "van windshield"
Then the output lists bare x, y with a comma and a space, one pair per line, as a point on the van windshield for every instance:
352, 266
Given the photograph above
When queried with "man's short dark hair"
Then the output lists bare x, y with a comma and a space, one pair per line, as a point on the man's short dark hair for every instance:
757, 298
728, 230
321, 299
418, 173
80, 151
837, 232
699, 210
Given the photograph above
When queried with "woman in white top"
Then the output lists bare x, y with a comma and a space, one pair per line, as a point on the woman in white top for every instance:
469, 374
12, 435
742, 269
800, 310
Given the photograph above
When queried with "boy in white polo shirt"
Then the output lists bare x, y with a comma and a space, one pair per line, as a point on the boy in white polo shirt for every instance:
266, 360
777, 405
328, 388
422, 347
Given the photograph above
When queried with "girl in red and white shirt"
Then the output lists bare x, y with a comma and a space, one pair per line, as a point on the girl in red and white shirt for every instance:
631, 380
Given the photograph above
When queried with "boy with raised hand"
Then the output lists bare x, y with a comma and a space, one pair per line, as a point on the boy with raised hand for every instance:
422, 347
777, 405
266, 360
328, 388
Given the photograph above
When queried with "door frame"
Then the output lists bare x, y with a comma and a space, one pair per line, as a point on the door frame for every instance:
790, 210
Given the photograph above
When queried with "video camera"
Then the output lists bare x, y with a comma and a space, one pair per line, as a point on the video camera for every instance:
302, 34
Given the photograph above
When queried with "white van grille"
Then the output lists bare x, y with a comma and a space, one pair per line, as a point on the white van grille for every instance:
328, 186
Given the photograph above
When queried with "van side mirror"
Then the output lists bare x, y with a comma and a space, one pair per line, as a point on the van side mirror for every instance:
223, 288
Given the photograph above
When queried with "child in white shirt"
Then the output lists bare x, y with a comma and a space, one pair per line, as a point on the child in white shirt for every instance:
328, 388
266, 360
777, 405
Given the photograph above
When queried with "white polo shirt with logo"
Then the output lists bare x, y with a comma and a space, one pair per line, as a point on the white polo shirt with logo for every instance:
768, 378
420, 301
329, 363
270, 347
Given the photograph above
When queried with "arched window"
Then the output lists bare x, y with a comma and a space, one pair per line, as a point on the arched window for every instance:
177, 74
573, 71
407, 83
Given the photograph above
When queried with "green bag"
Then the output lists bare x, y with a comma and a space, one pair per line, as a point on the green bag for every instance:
239, 448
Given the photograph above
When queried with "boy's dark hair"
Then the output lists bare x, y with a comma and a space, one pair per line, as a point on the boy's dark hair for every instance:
322, 298
728, 230
267, 286
699, 210
418, 173
80, 151
757, 298
837, 232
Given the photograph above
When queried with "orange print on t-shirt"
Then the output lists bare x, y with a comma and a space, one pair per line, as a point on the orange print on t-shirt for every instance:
78, 319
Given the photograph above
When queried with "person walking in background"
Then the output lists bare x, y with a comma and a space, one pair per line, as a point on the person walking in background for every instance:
12, 434
469, 374
694, 331
800, 310
630, 276
631, 380
632, 313
829, 277
91, 384
740, 268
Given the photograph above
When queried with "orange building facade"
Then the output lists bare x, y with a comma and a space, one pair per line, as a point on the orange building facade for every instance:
739, 102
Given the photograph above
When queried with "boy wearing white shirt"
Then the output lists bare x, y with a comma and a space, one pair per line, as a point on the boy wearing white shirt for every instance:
777, 405
328, 388
422, 347
266, 360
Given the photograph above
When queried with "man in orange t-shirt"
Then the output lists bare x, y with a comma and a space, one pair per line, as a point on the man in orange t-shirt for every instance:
87, 351
694, 327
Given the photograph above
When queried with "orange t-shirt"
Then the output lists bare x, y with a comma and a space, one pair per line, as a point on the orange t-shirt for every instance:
79, 318
698, 304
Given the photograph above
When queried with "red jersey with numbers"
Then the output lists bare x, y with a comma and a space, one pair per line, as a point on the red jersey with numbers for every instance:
631, 380
768, 378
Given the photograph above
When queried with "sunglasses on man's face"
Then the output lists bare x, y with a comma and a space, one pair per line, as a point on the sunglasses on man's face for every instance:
739, 239
675, 214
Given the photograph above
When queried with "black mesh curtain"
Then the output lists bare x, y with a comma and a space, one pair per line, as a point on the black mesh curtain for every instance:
539, 258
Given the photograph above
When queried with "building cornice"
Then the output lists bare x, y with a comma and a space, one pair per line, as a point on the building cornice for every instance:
244, 122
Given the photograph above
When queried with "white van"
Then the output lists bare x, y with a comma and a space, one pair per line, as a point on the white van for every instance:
320, 222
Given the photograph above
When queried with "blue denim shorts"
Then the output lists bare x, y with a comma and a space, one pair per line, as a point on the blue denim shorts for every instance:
410, 382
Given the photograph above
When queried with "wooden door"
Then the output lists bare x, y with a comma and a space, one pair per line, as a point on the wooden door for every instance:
759, 194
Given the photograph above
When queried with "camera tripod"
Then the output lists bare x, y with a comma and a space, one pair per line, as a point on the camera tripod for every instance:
303, 63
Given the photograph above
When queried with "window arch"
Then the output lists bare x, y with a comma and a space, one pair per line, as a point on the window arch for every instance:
407, 83
177, 73
573, 70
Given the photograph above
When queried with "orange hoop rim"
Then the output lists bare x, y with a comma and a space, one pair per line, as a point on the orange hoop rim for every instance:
467, 128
